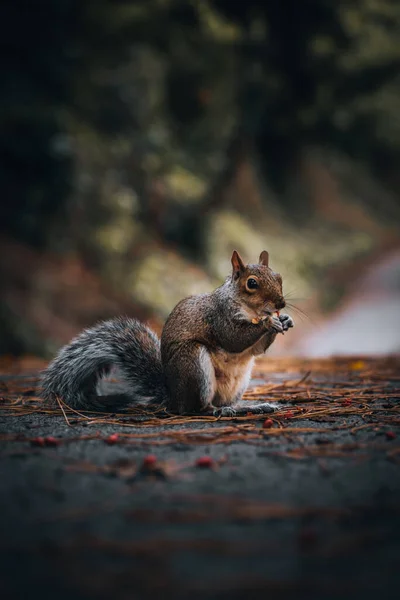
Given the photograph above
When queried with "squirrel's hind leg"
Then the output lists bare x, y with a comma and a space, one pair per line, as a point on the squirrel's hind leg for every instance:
240, 407
190, 380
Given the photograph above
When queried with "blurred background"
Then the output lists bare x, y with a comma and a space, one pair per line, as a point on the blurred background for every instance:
142, 141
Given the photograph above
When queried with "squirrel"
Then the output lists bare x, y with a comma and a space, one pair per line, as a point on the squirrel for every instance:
203, 362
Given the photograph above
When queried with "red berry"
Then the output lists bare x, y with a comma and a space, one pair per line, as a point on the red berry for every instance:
39, 441
390, 435
51, 441
289, 414
149, 460
112, 439
206, 462
346, 402
268, 423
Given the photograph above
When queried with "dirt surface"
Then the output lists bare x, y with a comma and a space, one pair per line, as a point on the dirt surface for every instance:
304, 506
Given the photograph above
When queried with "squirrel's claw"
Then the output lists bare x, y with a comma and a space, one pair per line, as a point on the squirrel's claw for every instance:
245, 408
276, 324
286, 322
224, 411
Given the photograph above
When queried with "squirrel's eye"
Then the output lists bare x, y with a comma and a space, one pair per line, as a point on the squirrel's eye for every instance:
252, 284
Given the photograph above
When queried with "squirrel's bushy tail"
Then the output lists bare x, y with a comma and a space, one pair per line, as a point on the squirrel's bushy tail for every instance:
124, 343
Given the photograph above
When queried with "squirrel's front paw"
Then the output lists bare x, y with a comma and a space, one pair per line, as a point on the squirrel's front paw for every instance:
286, 322
275, 324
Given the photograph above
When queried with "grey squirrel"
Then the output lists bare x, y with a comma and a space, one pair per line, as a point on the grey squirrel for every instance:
203, 362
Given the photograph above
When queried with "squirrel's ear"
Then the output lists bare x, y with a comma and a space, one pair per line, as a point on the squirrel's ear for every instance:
237, 264
264, 258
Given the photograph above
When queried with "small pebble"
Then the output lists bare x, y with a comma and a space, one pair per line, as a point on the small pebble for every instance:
307, 538
321, 441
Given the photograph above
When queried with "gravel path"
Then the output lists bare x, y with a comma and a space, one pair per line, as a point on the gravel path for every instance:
306, 507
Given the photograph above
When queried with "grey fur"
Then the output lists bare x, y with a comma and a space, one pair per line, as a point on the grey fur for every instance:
202, 364
122, 342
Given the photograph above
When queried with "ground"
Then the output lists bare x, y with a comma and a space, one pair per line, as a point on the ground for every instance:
305, 504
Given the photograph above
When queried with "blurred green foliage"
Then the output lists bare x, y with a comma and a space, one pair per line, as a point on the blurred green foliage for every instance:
169, 83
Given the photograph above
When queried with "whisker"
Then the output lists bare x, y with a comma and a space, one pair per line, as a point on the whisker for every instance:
290, 292
302, 314
298, 314
297, 309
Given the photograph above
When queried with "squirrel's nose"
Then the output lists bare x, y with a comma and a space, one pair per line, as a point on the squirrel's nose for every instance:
280, 304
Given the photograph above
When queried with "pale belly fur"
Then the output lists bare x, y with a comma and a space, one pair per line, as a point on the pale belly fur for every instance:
232, 376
